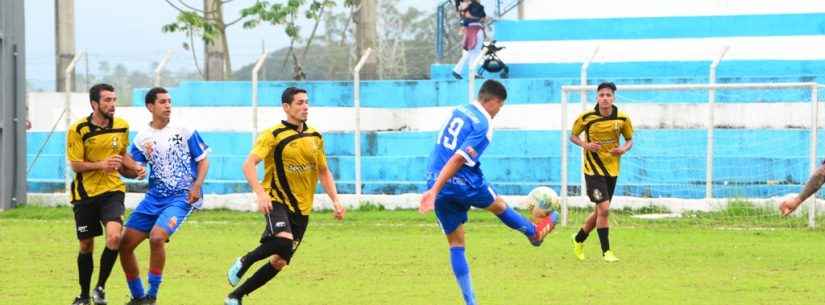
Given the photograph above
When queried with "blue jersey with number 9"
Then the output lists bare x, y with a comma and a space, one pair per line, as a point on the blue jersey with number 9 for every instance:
467, 133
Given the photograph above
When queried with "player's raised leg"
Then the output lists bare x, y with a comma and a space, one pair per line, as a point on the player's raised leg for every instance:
581, 236
279, 249
535, 232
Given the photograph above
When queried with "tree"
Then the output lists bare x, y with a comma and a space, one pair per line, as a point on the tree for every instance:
287, 15
208, 25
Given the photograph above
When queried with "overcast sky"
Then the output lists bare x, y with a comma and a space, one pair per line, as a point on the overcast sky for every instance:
129, 32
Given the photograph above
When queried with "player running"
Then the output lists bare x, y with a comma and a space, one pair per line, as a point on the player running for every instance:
602, 127
456, 182
177, 159
294, 162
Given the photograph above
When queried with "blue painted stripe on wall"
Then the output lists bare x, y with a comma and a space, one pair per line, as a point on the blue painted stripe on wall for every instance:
792, 69
517, 160
661, 27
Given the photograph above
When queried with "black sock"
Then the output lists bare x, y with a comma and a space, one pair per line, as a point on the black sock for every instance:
107, 262
581, 236
263, 275
263, 251
604, 239
85, 266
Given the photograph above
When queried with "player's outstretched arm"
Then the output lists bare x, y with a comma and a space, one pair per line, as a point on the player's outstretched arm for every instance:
447, 172
812, 186
328, 183
251, 175
195, 191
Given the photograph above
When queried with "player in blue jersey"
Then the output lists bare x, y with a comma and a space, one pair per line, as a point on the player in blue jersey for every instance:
177, 159
456, 183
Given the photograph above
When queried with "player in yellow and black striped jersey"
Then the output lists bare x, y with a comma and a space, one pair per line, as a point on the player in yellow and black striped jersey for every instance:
294, 162
603, 127
95, 146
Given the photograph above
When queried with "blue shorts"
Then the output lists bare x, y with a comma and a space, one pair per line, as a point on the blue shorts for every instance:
453, 202
168, 213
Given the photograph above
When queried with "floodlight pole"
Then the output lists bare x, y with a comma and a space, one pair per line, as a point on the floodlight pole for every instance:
563, 165
812, 156
711, 110
583, 99
258, 64
471, 78
356, 101
161, 65
68, 78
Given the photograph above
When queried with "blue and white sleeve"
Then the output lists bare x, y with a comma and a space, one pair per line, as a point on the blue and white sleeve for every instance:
137, 154
474, 145
197, 147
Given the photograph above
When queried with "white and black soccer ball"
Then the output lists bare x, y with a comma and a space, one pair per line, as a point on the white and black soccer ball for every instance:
544, 198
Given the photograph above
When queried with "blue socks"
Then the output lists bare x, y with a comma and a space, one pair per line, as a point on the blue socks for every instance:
135, 287
515, 221
462, 274
154, 284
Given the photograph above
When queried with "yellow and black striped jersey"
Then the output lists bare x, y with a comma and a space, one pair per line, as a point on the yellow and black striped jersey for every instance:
91, 143
292, 161
605, 131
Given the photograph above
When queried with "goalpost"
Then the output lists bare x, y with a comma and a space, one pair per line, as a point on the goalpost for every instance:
705, 146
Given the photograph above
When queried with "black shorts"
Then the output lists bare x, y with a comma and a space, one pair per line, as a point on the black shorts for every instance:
280, 219
600, 188
90, 213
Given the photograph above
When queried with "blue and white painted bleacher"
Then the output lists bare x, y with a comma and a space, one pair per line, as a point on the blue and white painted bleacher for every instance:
756, 156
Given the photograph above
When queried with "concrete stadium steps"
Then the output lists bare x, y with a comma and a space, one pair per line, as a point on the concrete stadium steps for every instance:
663, 162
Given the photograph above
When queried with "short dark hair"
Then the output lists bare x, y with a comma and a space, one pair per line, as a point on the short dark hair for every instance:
152, 95
94, 92
603, 85
289, 94
492, 89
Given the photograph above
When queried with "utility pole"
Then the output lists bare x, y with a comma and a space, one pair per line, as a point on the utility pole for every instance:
367, 37
214, 51
64, 40
521, 9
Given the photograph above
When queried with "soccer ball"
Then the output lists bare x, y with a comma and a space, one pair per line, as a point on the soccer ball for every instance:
544, 198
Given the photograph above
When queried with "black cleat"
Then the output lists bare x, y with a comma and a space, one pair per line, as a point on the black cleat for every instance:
150, 300
99, 296
81, 301
137, 301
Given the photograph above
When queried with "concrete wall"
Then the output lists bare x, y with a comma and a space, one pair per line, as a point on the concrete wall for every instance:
667, 161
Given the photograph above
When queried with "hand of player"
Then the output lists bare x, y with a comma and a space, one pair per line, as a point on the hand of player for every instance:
147, 150
264, 202
140, 172
194, 193
592, 146
112, 163
789, 205
338, 211
427, 202
617, 151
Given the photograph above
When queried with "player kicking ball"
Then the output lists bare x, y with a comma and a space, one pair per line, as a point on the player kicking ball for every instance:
811, 187
456, 182
177, 158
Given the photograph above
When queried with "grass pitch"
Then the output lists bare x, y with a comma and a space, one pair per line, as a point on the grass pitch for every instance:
401, 257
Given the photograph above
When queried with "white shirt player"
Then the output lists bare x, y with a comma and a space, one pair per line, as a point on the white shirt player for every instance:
172, 154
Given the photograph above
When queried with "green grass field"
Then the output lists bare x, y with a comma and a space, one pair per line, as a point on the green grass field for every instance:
401, 257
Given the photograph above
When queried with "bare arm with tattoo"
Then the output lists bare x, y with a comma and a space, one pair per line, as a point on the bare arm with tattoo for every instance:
811, 187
